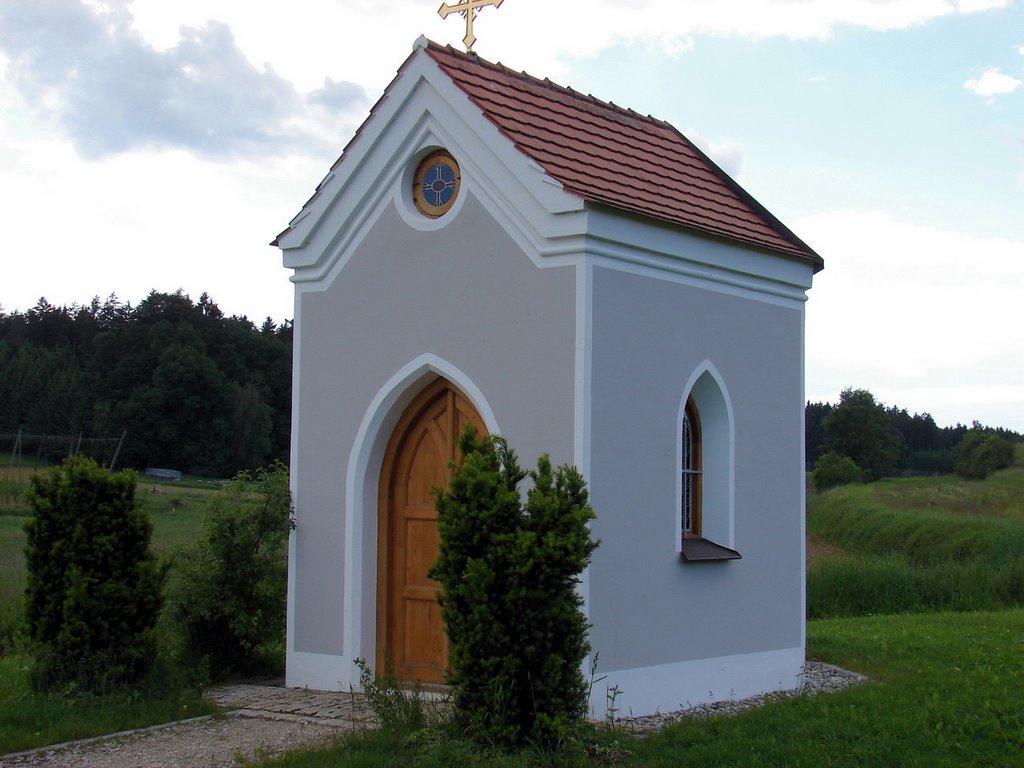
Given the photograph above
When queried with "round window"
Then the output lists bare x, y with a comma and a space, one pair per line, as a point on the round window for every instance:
435, 184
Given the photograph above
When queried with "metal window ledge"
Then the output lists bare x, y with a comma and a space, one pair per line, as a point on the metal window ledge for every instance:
706, 551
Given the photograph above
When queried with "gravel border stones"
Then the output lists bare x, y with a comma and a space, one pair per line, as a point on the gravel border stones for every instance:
817, 677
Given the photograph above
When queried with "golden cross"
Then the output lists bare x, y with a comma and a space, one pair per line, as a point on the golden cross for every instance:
468, 8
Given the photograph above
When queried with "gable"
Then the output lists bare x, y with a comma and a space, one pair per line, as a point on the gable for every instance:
419, 112
617, 157
538, 155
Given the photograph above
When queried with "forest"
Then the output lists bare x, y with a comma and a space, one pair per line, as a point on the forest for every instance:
164, 383
173, 383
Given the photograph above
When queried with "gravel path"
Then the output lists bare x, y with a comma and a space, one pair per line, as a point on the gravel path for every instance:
261, 721
267, 720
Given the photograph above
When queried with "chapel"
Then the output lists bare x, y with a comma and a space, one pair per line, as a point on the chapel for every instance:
496, 249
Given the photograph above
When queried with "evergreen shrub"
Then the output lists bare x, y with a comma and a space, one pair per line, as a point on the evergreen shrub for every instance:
509, 574
93, 583
227, 592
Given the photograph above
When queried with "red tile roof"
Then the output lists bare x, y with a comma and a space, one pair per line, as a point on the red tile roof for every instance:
616, 157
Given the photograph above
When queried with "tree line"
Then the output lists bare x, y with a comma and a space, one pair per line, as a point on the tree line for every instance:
188, 387
887, 441
207, 394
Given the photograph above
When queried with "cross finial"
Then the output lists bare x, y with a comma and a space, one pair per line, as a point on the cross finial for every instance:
468, 9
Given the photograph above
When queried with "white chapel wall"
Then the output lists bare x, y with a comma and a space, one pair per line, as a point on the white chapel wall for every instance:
465, 294
650, 335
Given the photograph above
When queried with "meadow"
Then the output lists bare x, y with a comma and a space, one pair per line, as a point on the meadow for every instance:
917, 583
920, 544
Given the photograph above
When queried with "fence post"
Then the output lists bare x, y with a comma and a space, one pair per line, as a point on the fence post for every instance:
117, 450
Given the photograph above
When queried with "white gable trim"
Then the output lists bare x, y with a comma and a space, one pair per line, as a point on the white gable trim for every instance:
422, 109
361, 481
655, 249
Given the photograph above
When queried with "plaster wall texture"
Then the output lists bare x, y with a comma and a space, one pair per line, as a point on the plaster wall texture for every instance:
488, 311
650, 336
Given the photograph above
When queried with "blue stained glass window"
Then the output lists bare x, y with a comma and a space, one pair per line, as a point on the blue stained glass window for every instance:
439, 184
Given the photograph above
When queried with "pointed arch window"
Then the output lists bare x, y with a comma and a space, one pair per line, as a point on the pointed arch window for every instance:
705, 475
691, 472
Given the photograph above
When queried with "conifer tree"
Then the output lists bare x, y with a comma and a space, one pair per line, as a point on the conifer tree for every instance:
93, 591
512, 611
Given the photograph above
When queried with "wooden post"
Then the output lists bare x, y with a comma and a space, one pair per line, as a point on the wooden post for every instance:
117, 450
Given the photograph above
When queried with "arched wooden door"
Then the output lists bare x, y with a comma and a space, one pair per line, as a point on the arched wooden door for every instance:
409, 626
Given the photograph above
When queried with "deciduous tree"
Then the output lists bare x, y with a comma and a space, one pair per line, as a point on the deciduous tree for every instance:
860, 428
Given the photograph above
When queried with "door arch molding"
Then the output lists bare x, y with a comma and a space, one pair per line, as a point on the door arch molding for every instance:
361, 492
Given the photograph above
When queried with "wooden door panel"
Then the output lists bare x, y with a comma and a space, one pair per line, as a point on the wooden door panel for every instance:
421, 552
409, 628
425, 469
424, 639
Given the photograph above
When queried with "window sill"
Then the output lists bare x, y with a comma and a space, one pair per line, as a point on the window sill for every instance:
705, 551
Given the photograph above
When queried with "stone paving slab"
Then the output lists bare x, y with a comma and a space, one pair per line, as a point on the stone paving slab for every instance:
277, 702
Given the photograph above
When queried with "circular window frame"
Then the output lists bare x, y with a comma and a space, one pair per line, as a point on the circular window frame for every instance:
423, 205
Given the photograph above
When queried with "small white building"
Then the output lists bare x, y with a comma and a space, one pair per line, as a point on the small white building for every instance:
581, 279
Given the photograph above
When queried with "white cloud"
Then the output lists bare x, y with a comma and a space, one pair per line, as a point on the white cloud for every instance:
85, 71
727, 153
973, 6
917, 314
992, 83
141, 221
310, 39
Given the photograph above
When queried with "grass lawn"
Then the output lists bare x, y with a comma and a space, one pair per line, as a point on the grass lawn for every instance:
948, 691
30, 720
177, 513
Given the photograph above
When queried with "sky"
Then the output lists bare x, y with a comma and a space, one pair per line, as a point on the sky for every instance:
148, 145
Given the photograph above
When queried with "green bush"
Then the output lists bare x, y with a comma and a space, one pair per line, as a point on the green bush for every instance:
93, 588
832, 470
227, 592
509, 576
979, 454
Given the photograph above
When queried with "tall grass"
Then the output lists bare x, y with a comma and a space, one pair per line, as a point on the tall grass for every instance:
849, 585
853, 519
919, 545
